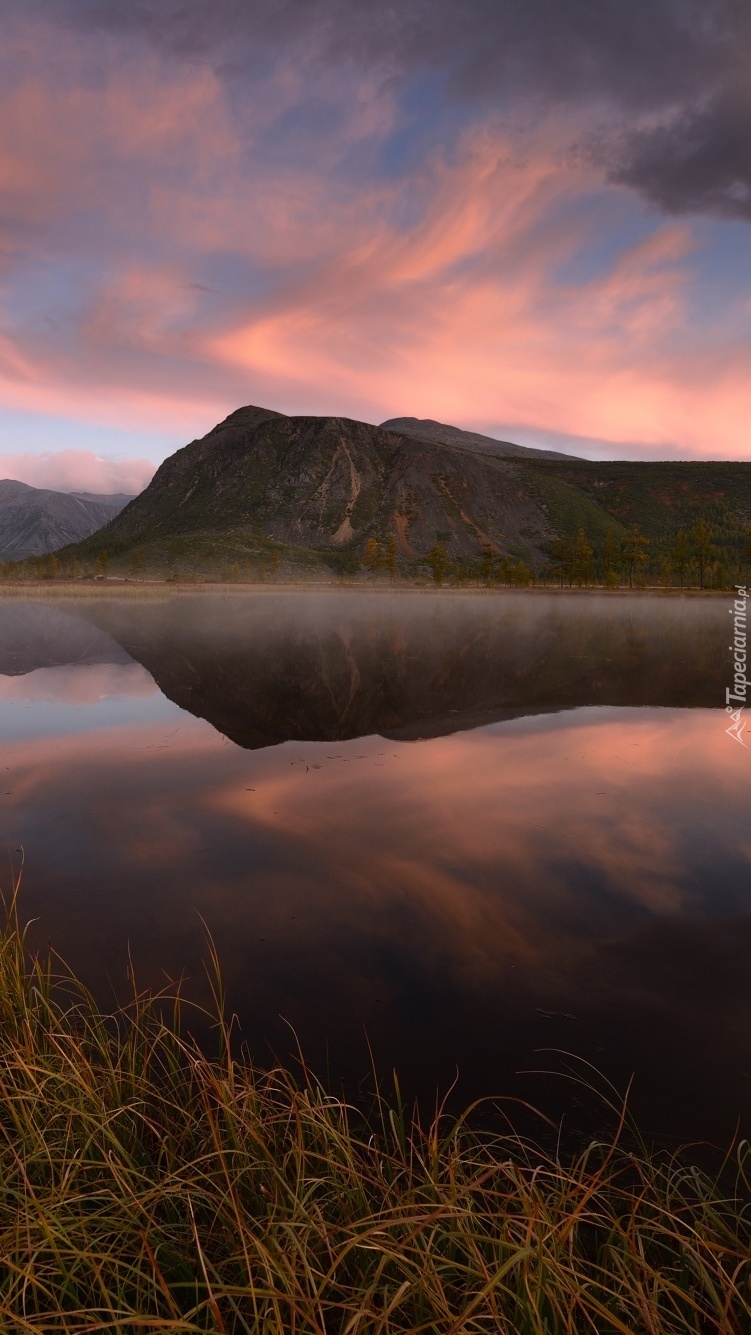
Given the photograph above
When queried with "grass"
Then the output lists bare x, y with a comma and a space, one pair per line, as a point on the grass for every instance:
145, 1187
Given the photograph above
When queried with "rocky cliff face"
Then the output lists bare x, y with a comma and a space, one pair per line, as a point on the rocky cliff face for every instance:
314, 482
34, 521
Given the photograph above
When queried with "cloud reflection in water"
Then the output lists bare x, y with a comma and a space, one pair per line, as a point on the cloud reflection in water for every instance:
459, 898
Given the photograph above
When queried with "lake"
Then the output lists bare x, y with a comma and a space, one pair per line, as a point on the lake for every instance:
464, 833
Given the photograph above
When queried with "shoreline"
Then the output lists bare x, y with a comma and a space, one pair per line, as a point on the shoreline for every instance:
165, 588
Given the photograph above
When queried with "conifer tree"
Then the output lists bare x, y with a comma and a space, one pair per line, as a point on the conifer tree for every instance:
582, 569
701, 541
438, 560
634, 549
681, 555
372, 556
487, 563
610, 559
562, 552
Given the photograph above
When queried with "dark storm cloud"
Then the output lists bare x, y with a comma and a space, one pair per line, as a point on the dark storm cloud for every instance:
641, 52
678, 64
699, 163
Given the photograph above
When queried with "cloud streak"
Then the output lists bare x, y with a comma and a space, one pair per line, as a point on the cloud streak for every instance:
334, 208
679, 64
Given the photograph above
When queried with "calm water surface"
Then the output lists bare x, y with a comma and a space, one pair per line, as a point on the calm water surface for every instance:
464, 831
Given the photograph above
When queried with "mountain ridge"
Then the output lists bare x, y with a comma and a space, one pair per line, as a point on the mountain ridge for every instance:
35, 521
425, 428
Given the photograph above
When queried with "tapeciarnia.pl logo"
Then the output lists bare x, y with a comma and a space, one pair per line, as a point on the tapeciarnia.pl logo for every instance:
740, 682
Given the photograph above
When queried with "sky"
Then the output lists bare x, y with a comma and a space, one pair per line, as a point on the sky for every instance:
527, 218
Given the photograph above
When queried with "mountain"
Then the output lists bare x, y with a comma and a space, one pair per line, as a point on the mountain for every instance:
320, 484
34, 521
262, 490
424, 428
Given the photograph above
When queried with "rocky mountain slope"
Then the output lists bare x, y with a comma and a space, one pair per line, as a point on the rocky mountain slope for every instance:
308, 491
313, 483
424, 428
34, 520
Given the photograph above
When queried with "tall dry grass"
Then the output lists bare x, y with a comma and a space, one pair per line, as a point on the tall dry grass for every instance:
145, 1187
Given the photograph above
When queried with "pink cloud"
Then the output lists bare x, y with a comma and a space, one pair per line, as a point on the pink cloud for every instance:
438, 292
463, 319
78, 470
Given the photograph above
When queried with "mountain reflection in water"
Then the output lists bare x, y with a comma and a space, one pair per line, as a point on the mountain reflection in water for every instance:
288, 667
550, 867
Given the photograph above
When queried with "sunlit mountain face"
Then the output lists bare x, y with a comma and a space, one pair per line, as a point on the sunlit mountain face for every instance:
452, 836
528, 220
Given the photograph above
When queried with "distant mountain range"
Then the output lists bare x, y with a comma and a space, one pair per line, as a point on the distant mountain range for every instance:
34, 521
265, 491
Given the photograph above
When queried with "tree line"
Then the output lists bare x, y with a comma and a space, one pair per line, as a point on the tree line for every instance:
695, 557
691, 560
491, 568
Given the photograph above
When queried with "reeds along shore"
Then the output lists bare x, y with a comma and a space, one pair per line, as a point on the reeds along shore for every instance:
146, 1188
